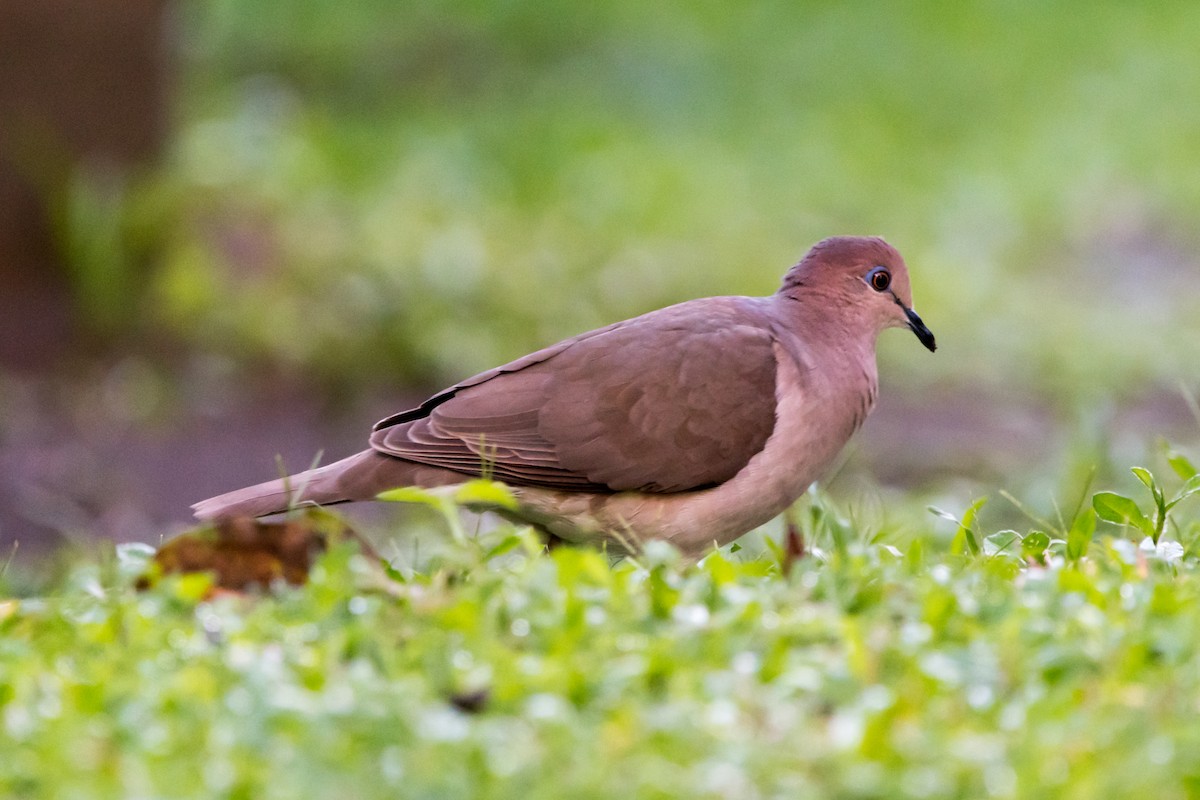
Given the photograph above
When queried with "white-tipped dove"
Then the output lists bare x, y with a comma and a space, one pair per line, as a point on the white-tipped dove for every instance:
695, 423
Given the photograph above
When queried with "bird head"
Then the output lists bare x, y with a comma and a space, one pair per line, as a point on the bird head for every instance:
864, 278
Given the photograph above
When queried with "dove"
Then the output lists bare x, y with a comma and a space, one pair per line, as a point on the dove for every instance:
694, 424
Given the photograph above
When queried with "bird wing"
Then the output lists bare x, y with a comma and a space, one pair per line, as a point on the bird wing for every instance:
674, 400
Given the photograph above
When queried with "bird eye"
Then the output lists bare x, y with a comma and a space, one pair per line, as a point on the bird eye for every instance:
879, 279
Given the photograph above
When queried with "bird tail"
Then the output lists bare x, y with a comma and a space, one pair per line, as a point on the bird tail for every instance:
352, 478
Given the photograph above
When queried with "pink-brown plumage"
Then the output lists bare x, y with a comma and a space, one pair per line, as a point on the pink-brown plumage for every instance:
633, 430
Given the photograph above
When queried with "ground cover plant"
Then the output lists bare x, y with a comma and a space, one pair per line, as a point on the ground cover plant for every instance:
956, 662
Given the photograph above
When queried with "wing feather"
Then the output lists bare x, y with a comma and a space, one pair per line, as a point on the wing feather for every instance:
675, 400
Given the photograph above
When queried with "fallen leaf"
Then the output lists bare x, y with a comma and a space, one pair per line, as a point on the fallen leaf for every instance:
245, 553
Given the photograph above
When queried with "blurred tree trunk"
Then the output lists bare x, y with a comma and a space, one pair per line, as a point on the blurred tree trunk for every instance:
82, 84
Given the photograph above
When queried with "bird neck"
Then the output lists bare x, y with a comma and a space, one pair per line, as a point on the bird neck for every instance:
828, 321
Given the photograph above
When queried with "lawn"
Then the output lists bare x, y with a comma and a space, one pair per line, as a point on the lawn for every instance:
1054, 662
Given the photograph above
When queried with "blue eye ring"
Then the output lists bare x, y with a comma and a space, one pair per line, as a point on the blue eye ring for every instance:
879, 279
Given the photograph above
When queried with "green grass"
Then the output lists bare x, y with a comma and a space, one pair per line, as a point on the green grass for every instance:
963, 663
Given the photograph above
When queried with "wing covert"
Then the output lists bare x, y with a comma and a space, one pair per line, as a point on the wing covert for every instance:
675, 400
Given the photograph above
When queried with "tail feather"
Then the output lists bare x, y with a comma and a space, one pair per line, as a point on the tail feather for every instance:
361, 476
260, 500
333, 483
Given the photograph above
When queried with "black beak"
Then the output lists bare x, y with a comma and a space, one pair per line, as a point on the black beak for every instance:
919, 328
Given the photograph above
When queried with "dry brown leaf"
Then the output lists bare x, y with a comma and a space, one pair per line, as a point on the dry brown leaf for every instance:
245, 553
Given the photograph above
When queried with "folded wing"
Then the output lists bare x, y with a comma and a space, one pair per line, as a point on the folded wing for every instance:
675, 400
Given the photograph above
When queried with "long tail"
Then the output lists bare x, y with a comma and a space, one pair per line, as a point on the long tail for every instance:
358, 477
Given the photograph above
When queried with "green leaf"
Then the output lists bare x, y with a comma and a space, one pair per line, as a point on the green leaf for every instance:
966, 538
473, 492
1033, 546
433, 498
1187, 490
1080, 536
915, 556
191, 587
968, 518
663, 595
964, 541
1182, 466
946, 515
486, 493
1071, 579
1144, 476
1120, 510
410, 494
1156, 491
392, 572
721, 570
1000, 542
503, 546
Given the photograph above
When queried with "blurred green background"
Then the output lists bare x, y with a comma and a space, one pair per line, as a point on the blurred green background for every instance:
351, 203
